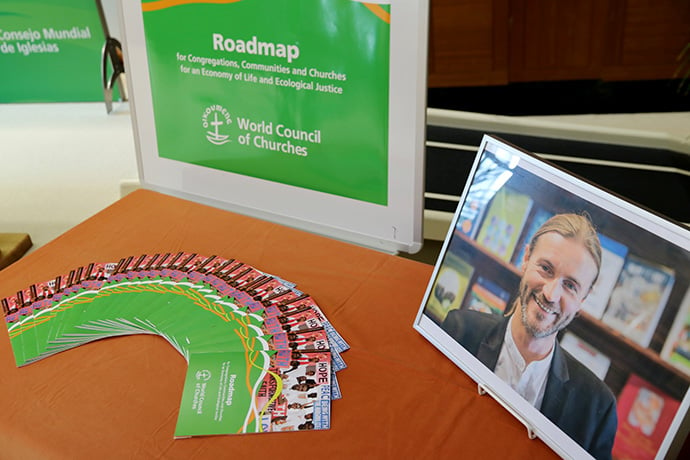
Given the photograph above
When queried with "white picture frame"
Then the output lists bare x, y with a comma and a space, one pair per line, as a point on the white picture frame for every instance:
544, 182
393, 227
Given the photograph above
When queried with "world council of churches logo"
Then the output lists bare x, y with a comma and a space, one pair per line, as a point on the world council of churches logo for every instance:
203, 375
214, 120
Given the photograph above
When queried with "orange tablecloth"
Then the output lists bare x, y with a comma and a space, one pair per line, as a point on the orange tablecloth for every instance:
119, 397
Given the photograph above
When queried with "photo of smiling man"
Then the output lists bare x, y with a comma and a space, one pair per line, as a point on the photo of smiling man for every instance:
560, 265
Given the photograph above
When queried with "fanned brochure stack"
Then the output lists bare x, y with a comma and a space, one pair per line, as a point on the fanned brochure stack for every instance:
261, 355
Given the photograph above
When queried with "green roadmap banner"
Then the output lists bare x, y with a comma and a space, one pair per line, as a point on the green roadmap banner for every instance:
50, 51
289, 91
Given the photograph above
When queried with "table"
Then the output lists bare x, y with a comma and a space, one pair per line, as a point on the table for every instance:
119, 397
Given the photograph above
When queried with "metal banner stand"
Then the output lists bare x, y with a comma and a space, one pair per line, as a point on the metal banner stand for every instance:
112, 52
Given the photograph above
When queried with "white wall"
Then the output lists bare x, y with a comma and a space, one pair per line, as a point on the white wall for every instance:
111, 8
60, 164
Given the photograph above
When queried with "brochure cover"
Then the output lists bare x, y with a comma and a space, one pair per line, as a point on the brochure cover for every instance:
251, 392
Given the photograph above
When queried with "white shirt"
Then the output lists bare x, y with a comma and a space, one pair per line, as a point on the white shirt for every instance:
528, 380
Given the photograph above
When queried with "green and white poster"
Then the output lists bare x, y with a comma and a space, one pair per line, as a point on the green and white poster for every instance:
50, 51
289, 91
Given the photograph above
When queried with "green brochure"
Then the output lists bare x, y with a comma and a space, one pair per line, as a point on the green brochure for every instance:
178, 311
248, 392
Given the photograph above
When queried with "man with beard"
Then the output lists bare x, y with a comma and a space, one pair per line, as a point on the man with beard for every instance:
560, 266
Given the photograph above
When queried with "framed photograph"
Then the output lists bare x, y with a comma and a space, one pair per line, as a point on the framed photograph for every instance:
557, 232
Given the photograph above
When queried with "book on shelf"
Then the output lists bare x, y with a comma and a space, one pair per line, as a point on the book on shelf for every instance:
471, 216
645, 414
590, 357
487, 296
613, 256
450, 287
676, 349
539, 216
638, 299
504, 222
490, 176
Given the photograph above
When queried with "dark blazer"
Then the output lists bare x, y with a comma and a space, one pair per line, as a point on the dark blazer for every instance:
580, 404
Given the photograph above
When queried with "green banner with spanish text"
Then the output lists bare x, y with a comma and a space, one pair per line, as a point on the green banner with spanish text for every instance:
50, 51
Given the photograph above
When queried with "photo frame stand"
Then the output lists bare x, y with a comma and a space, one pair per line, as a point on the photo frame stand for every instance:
482, 390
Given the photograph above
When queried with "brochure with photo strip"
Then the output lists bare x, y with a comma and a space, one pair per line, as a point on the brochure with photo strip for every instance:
550, 291
262, 355
237, 392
